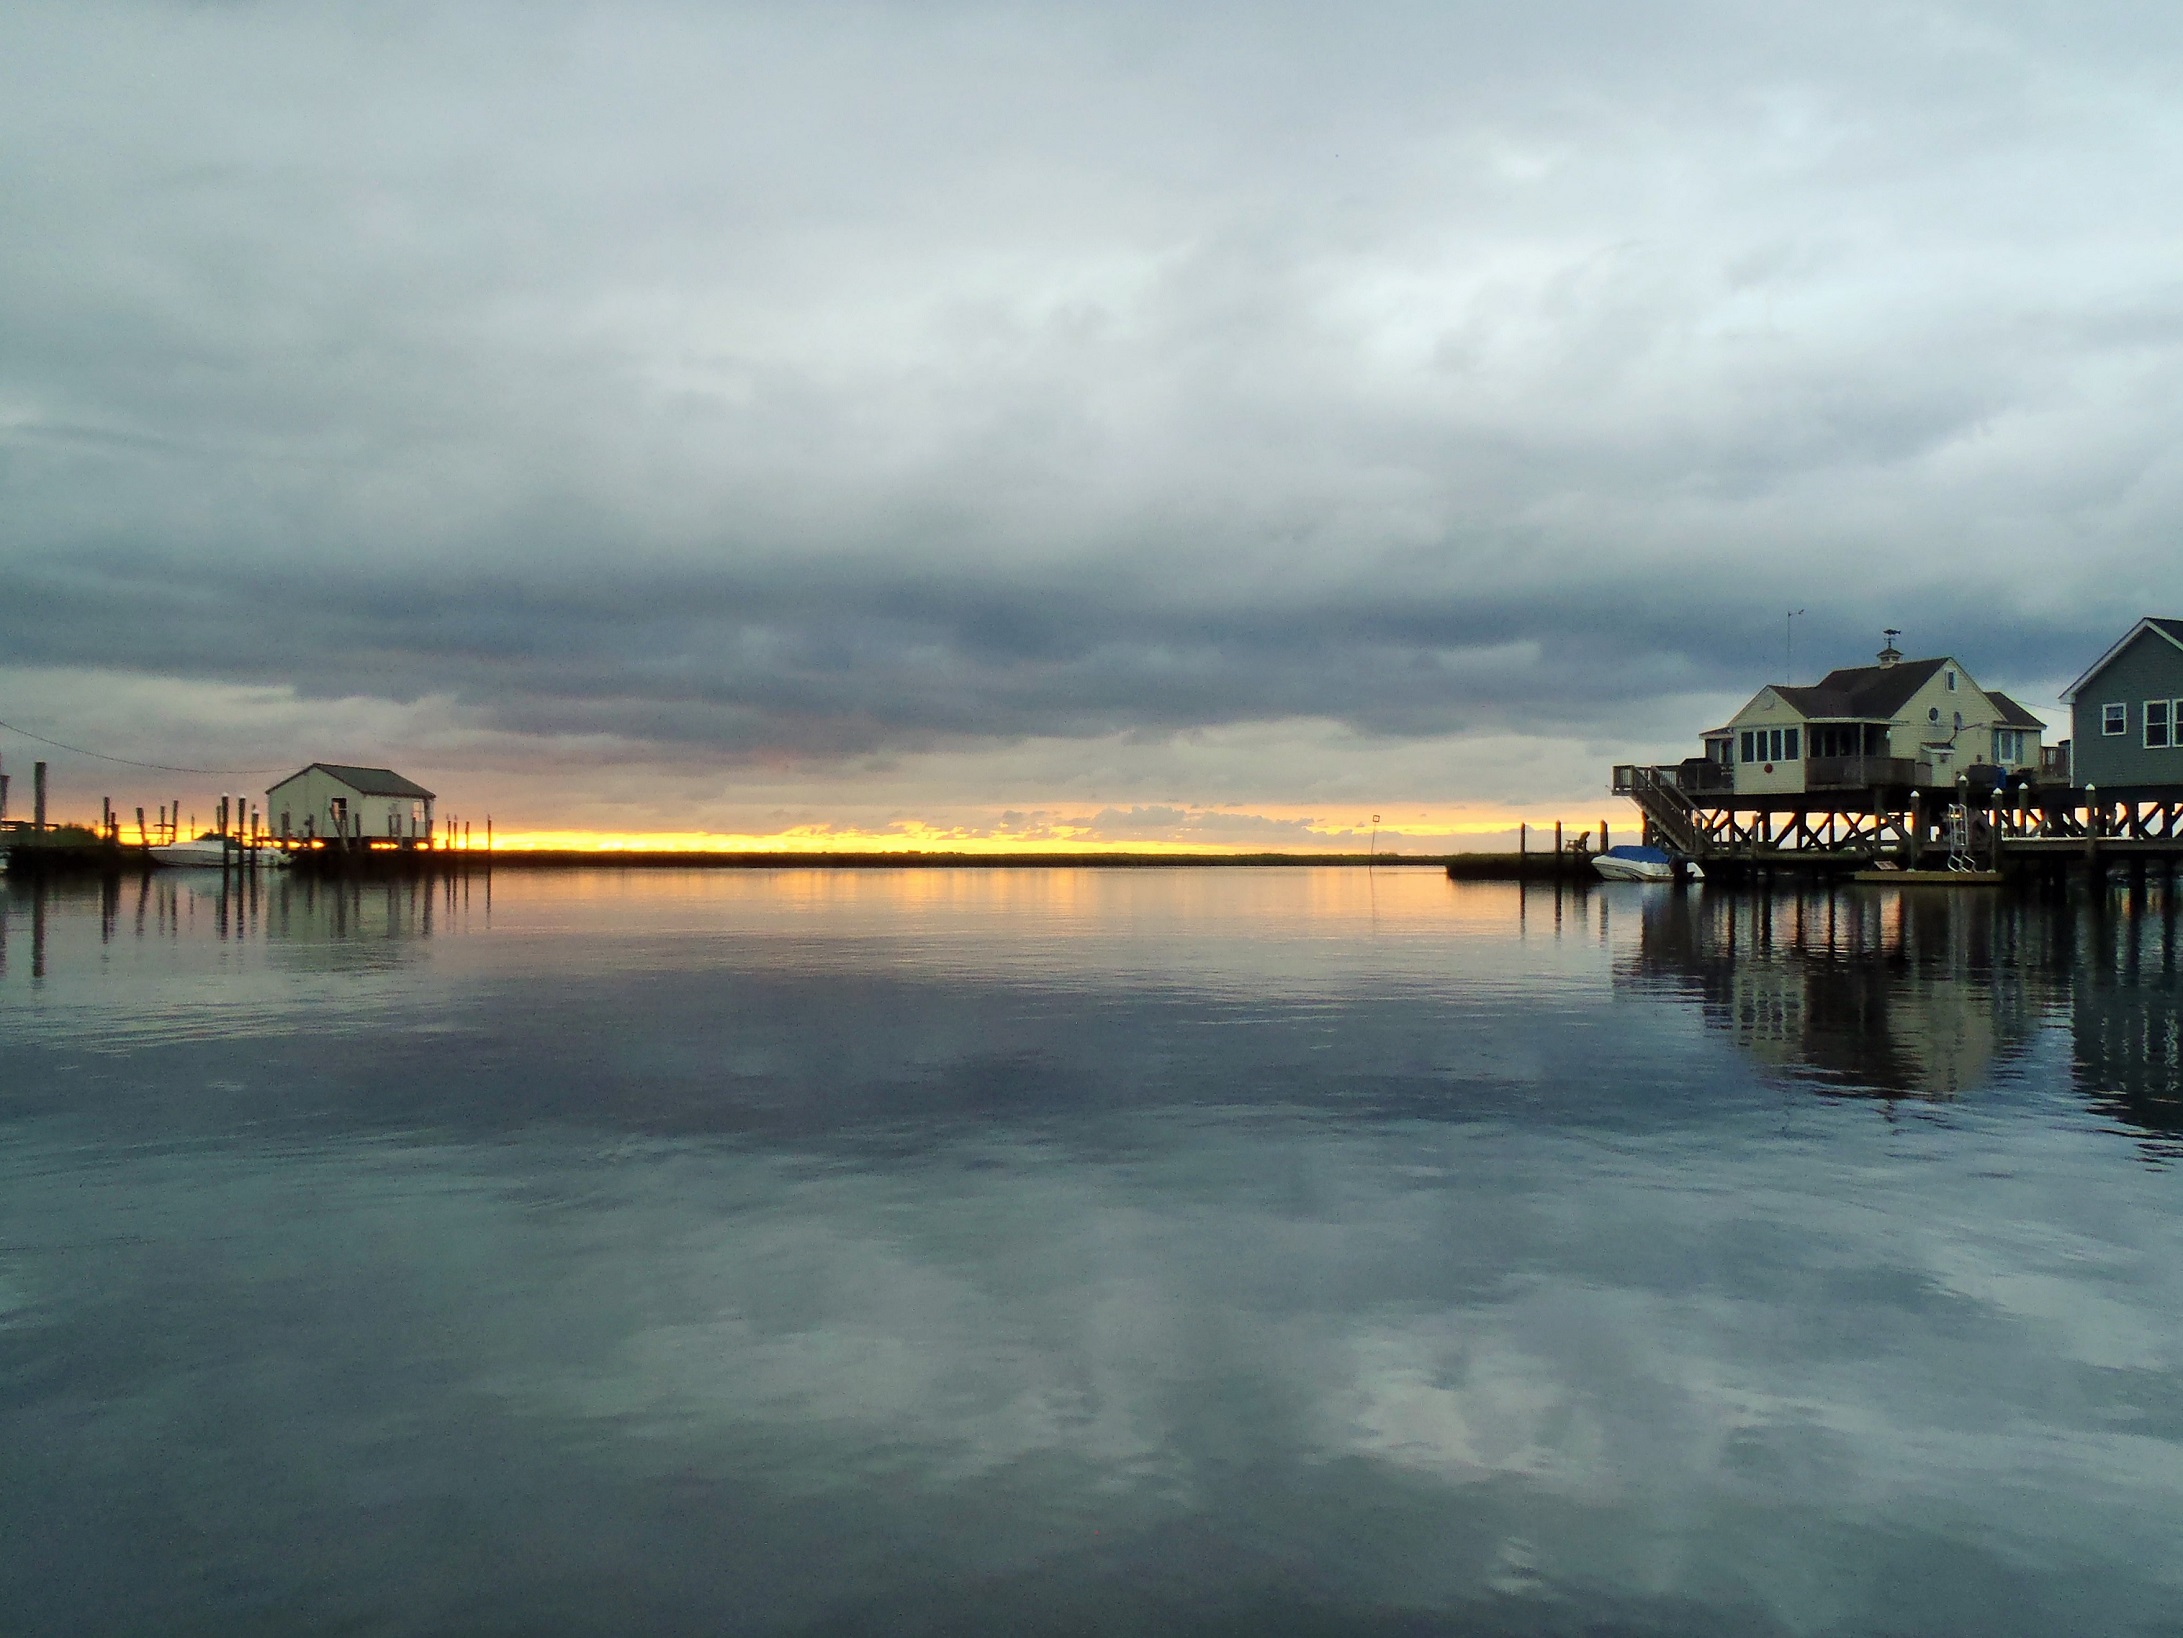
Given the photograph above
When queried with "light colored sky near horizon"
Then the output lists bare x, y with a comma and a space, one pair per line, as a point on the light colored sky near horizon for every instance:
1120, 424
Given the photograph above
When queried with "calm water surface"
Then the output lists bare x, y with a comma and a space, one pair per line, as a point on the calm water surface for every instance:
1230, 1251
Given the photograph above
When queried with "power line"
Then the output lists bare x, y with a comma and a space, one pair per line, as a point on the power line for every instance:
129, 762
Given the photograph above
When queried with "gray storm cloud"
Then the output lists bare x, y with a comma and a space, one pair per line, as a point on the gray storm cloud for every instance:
748, 383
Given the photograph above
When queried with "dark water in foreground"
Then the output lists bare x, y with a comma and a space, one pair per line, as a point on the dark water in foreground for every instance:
1238, 1252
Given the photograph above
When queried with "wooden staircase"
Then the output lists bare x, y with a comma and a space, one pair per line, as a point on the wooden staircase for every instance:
1670, 816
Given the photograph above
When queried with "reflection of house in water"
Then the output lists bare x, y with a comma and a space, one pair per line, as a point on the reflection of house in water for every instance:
1881, 991
348, 917
333, 923
2126, 990
306, 909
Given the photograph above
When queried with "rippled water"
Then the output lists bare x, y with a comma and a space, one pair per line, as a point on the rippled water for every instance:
1193, 1251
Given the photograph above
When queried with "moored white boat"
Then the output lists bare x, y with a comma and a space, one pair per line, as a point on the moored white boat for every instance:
214, 851
1643, 864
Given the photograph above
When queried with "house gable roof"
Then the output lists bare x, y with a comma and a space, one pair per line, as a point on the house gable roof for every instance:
363, 781
1862, 691
2170, 629
2008, 714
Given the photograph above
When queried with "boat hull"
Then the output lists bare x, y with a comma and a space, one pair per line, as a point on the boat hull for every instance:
1632, 870
1618, 867
215, 855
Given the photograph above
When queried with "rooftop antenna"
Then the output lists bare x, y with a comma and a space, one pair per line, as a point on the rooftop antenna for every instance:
1788, 646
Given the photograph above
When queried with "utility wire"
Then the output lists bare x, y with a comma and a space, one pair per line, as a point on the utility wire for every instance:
129, 762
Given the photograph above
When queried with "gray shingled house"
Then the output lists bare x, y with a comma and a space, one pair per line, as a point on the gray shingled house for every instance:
2126, 710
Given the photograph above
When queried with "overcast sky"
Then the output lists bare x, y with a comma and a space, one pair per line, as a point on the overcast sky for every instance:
1179, 421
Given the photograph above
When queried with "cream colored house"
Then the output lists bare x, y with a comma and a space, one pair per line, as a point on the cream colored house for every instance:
330, 799
1900, 722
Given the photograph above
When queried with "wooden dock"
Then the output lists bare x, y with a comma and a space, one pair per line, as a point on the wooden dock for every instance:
1930, 878
2026, 831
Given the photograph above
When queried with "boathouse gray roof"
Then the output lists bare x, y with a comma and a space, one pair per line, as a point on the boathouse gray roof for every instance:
364, 781
2010, 714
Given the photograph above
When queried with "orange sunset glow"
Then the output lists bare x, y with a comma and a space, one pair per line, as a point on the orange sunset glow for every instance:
1429, 833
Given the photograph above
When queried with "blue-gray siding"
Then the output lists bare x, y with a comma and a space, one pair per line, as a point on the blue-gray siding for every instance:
2150, 668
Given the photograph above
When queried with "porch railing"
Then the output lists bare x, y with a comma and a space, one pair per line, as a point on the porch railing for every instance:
1860, 773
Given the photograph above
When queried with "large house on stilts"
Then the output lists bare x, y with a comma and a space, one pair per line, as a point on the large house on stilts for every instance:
1898, 723
1907, 762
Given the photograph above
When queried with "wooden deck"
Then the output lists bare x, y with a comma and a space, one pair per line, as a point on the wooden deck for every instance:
2025, 829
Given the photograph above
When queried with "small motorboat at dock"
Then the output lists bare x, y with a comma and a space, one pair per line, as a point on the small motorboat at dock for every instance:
213, 851
1644, 864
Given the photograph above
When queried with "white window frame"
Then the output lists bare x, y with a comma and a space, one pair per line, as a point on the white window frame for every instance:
1951, 682
2114, 720
2166, 709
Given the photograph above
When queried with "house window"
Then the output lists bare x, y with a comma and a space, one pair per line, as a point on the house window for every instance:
2114, 719
2008, 745
2156, 724
1932, 713
1788, 744
1745, 747
1951, 682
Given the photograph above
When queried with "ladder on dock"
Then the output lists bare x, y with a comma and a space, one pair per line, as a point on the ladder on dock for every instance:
1959, 838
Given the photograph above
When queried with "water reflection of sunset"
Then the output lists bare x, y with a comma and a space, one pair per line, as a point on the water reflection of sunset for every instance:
1211, 832
1280, 930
